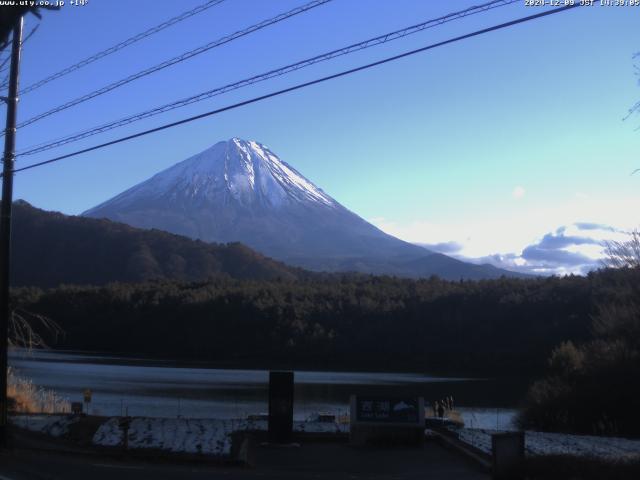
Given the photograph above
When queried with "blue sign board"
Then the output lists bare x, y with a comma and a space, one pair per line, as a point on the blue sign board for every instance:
385, 409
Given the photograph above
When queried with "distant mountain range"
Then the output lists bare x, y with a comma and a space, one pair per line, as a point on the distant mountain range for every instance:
49, 248
240, 191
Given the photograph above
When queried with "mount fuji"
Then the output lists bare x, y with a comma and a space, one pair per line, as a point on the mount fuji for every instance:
240, 190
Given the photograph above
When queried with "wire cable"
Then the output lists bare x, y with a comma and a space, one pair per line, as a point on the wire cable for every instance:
4, 66
300, 86
178, 59
129, 41
265, 76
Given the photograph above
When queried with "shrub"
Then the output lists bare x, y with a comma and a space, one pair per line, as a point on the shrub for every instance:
25, 397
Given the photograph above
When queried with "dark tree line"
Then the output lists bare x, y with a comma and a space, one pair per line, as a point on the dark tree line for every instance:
504, 326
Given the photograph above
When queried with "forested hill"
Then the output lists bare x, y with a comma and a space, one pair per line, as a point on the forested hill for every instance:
50, 249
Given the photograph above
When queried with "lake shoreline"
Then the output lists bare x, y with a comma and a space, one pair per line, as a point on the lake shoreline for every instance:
144, 388
127, 358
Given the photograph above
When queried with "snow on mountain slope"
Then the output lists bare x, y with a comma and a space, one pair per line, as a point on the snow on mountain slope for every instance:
247, 172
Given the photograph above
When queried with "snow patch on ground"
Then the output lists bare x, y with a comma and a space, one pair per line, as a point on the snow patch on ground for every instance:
542, 443
213, 436
109, 434
54, 425
320, 427
196, 436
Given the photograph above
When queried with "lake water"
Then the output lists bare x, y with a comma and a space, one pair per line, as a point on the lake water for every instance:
145, 388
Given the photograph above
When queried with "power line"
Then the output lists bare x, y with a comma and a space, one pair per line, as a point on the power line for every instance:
4, 66
177, 59
266, 76
301, 85
30, 34
121, 45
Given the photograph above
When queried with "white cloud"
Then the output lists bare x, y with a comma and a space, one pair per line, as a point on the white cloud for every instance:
518, 192
567, 238
592, 251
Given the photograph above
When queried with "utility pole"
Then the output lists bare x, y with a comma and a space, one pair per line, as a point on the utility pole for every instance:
5, 220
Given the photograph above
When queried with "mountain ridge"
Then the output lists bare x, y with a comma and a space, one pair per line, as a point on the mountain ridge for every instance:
50, 248
240, 190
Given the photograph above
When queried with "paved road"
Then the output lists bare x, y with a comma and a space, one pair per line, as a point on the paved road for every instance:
312, 461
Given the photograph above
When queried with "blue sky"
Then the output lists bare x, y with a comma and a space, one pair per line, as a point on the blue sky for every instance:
489, 148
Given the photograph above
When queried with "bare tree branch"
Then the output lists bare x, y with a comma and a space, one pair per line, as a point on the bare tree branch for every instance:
625, 254
24, 328
636, 107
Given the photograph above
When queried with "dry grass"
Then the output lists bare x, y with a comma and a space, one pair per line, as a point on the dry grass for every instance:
25, 397
456, 417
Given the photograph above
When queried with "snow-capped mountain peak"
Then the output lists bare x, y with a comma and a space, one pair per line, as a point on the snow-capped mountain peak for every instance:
236, 170
239, 190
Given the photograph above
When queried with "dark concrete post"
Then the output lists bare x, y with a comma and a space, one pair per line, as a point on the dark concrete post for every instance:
508, 455
280, 407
